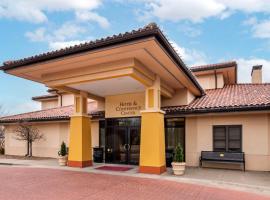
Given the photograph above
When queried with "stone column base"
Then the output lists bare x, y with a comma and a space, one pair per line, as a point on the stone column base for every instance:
80, 164
152, 170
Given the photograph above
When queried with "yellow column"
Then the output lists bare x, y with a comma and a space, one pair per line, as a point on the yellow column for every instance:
80, 148
152, 146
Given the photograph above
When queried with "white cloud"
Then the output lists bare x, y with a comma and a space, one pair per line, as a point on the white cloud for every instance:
261, 29
38, 35
60, 45
245, 67
190, 31
198, 10
250, 21
190, 56
194, 10
92, 16
67, 30
35, 11
60, 37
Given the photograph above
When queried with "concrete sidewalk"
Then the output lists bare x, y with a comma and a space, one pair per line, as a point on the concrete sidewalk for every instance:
257, 182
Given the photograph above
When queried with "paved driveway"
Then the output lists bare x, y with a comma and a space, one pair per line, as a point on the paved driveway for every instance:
34, 184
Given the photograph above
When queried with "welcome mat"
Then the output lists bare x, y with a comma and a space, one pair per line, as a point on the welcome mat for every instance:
114, 168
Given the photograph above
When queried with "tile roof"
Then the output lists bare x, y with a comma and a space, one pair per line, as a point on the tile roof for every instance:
213, 66
60, 113
150, 30
238, 97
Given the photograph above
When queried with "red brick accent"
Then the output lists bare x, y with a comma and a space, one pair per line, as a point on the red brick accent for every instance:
152, 170
81, 164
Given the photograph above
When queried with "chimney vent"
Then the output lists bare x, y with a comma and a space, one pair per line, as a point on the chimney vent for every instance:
256, 74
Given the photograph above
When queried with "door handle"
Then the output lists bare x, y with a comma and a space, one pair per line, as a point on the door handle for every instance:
128, 147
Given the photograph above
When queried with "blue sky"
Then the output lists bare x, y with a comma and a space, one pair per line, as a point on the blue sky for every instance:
203, 32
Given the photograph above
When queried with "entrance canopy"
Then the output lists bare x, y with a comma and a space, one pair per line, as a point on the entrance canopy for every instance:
124, 63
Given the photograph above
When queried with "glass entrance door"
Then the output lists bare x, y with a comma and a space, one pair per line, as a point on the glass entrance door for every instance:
122, 141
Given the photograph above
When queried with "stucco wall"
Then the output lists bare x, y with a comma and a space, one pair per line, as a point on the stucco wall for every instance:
208, 81
49, 104
54, 134
95, 133
181, 97
255, 134
67, 99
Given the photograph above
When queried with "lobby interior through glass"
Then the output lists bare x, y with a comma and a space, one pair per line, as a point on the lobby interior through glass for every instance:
120, 139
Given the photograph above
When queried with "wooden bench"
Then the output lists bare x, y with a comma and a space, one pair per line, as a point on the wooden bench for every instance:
223, 157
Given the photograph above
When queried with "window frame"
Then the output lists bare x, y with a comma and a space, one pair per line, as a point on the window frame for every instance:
227, 127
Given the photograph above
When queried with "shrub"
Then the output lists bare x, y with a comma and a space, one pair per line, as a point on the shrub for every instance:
179, 154
63, 149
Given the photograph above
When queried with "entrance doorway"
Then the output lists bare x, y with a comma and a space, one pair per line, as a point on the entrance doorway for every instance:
122, 140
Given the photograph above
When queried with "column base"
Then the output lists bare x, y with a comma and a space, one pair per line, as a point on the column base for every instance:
80, 164
152, 170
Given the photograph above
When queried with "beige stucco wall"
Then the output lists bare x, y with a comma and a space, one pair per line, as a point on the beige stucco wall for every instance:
49, 104
67, 99
208, 81
95, 133
181, 97
255, 134
54, 133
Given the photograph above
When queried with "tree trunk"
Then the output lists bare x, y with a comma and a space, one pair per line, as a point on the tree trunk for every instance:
30, 149
28, 146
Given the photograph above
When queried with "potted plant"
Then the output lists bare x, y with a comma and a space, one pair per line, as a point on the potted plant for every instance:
178, 164
62, 160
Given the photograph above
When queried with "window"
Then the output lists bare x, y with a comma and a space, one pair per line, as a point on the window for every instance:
227, 138
174, 132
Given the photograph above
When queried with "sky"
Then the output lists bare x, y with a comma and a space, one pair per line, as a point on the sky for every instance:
202, 32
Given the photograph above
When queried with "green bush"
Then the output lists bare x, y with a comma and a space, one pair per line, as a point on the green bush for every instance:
63, 149
179, 154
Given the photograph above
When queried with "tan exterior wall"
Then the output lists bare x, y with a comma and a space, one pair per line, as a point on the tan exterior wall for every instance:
54, 134
95, 133
67, 99
181, 97
255, 138
208, 81
49, 104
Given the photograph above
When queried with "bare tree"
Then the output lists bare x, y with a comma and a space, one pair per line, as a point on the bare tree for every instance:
28, 133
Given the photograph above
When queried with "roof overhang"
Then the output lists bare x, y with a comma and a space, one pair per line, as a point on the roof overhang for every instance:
229, 72
139, 56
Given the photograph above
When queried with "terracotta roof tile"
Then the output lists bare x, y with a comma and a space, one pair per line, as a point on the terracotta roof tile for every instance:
238, 97
235, 97
60, 113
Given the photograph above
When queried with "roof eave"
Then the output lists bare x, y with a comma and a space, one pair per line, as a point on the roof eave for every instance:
105, 43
